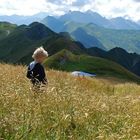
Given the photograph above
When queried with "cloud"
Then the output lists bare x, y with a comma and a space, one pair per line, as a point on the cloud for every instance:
61, 2
118, 10
55, 1
80, 2
21, 7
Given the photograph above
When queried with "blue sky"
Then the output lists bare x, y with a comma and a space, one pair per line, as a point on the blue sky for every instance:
107, 8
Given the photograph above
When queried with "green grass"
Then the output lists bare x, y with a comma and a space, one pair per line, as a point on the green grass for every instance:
67, 61
5, 29
70, 108
58, 43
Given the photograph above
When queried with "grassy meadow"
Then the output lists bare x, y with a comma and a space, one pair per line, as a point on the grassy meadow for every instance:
70, 108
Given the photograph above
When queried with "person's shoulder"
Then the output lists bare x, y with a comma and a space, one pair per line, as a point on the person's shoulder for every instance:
32, 65
39, 65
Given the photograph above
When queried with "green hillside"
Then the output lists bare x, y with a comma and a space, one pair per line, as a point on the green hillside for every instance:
131, 61
109, 38
19, 45
126, 39
5, 29
71, 26
65, 60
86, 39
23, 41
59, 43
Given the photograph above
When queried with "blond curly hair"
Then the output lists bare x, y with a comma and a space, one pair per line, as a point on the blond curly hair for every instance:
40, 52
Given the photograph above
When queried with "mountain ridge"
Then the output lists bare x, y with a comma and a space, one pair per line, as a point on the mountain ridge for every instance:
130, 61
25, 39
88, 16
94, 17
67, 61
109, 38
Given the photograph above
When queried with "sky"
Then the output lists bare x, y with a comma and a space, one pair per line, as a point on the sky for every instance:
129, 9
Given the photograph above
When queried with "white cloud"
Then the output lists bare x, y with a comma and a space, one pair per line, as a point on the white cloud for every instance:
21, 7
115, 8
80, 2
107, 8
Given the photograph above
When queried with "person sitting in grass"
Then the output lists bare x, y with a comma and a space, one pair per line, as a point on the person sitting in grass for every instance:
36, 72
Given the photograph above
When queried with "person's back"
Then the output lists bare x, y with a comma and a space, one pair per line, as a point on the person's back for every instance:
36, 72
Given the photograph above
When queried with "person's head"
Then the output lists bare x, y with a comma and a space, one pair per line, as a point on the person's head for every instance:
40, 54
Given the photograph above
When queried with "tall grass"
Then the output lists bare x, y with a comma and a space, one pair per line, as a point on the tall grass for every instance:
70, 108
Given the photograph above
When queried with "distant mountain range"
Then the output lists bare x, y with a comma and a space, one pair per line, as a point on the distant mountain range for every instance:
53, 23
93, 17
76, 16
75, 41
89, 28
19, 43
93, 35
19, 20
121, 23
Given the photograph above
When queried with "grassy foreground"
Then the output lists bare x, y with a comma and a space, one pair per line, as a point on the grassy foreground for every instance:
70, 108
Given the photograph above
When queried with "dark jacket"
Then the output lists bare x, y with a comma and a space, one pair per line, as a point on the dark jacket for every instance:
36, 73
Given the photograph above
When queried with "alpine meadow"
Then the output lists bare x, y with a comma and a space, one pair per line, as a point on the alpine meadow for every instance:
70, 108
69, 70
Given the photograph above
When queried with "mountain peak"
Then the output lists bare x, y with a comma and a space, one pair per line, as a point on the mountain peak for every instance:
37, 31
89, 11
118, 50
73, 12
5, 23
93, 13
36, 24
122, 23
